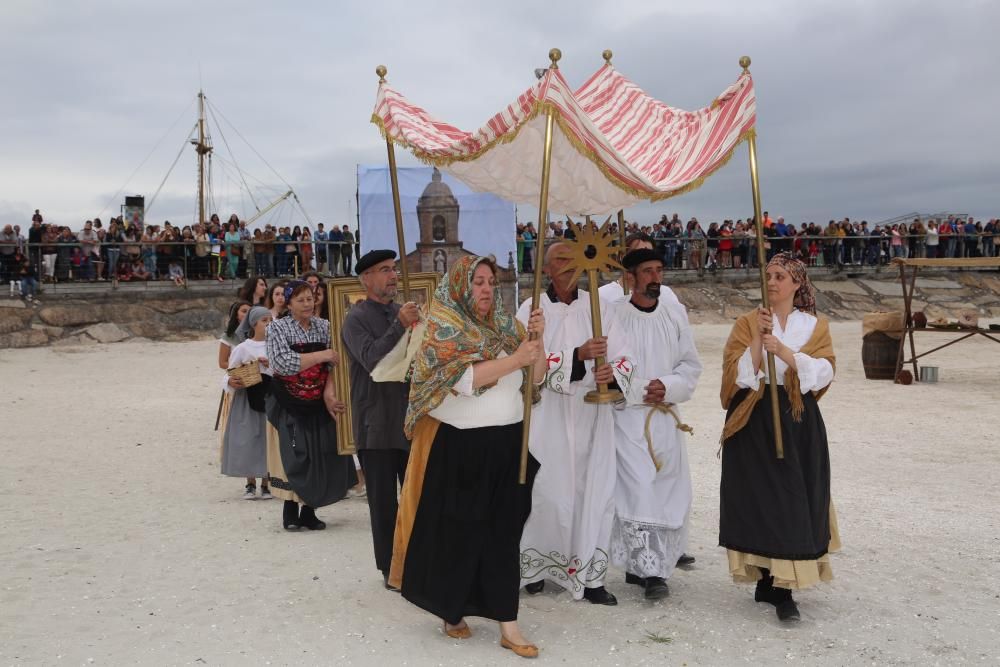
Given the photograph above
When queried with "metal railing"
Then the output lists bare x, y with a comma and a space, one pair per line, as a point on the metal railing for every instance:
60, 262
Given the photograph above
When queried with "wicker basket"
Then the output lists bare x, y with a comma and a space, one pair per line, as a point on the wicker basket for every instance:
248, 373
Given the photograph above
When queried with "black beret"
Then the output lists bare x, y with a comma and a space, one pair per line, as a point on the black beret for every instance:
640, 255
372, 258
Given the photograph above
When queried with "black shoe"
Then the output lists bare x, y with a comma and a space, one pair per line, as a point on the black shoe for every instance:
685, 560
307, 519
599, 595
787, 610
290, 515
656, 588
633, 579
535, 587
388, 586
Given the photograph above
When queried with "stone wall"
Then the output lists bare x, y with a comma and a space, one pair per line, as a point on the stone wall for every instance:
112, 318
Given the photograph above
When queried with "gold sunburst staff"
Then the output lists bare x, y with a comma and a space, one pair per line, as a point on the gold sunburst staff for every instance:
779, 448
593, 251
536, 291
397, 210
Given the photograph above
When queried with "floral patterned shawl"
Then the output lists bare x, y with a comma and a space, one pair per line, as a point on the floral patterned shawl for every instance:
456, 337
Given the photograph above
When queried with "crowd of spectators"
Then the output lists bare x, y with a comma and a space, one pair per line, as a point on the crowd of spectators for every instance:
132, 252
216, 250
733, 244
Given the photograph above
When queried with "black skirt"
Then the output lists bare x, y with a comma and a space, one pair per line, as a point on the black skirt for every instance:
464, 552
770, 507
307, 441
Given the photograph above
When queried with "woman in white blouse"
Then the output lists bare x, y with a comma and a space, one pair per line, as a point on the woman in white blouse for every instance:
462, 511
776, 518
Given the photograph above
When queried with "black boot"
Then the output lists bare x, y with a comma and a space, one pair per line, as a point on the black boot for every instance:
599, 595
635, 579
290, 515
535, 587
307, 519
656, 588
765, 587
685, 561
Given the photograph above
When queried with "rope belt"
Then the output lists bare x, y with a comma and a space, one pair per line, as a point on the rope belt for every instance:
667, 409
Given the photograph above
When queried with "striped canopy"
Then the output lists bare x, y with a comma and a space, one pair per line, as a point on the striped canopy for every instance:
613, 144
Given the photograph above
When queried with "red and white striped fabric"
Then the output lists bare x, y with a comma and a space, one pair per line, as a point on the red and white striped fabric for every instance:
614, 145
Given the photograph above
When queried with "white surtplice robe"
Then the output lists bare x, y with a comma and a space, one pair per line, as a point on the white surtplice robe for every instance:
567, 537
651, 507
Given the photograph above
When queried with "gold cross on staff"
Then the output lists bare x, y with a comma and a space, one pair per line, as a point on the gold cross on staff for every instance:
592, 251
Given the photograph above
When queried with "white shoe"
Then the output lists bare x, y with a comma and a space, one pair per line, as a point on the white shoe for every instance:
250, 493
265, 493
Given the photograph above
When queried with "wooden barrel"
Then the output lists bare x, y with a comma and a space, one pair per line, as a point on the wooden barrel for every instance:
878, 356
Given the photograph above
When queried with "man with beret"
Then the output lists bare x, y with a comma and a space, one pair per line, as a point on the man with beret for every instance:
370, 331
653, 492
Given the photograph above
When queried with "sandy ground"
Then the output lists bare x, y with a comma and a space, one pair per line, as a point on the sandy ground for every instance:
123, 545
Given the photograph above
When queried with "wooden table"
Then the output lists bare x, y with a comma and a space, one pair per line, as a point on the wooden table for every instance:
909, 329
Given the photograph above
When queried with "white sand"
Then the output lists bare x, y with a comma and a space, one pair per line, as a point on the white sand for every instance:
122, 544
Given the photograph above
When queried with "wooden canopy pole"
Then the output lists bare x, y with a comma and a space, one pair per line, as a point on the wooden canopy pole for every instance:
621, 245
779, 447
536, 291
394, 179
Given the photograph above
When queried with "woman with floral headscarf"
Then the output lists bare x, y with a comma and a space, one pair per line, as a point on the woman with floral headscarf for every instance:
461, 513
776, 518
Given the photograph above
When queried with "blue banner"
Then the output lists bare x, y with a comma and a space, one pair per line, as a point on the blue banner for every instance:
439, 212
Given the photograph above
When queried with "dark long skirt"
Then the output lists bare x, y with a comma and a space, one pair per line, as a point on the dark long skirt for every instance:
464, 552
770, 507
308, 447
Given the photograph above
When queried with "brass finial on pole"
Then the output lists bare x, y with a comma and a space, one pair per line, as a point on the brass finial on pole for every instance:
772, 375
555, 55
396, 209
607, 55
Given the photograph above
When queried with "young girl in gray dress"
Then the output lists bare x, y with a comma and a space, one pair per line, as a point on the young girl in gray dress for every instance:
244, 443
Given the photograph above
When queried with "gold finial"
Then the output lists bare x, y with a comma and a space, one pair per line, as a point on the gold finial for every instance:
607, 56
745, 63
381, 71
554, 56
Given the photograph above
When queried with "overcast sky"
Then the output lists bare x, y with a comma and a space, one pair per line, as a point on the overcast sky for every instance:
865, 109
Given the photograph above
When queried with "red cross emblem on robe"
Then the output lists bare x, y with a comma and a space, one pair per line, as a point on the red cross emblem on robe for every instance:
553, 359
622, 365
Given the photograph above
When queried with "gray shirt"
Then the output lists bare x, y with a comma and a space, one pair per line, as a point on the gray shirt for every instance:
370, 331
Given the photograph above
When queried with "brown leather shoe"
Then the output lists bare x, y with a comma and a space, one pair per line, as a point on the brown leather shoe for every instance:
523, 650
458, 633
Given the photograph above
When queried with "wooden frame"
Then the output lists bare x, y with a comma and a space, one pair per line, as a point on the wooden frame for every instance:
341, 295
909, 328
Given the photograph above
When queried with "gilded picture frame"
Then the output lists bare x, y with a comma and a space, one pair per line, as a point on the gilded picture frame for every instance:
342, 294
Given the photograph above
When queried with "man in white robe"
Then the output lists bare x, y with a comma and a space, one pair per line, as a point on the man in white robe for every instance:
614, 292
653, 492
567, 537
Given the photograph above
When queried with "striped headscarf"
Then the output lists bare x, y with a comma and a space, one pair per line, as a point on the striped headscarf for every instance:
805, 298
457, 336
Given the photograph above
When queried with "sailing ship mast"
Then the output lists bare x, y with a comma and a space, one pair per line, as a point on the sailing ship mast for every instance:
203, 148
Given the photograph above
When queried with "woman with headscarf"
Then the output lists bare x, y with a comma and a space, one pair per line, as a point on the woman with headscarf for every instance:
461, 512
303, 465
244, 441
777, 521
